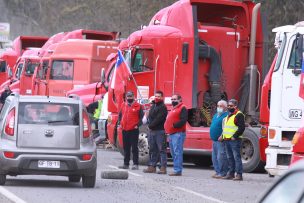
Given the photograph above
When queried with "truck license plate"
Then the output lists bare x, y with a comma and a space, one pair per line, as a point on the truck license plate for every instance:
295, 113
48, 164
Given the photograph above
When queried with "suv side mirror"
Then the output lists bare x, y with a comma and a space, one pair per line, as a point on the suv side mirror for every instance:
103, 76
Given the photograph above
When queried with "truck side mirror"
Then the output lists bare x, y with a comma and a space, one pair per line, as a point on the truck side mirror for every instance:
103, 76
299, 49
9, 72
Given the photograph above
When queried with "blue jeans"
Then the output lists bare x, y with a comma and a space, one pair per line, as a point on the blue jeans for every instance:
219, 158
176, 143
157, 147
233, 150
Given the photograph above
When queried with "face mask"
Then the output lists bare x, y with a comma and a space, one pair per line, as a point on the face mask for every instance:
130, 101
157, 100
219, 110
174, 103
231, 110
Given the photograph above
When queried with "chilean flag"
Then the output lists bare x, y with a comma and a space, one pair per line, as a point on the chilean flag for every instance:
121, 74
301, 91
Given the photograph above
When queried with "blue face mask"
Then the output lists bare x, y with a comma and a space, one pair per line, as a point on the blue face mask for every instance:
220, 110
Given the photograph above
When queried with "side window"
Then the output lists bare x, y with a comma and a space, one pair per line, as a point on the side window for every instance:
289, 189
143, 60
30, 68
294, 60
42, 71
2, 66
19, 70
62, 70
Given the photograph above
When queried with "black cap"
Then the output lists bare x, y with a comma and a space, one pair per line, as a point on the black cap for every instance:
233, 101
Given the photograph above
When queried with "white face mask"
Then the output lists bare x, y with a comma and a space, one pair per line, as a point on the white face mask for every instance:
220, 110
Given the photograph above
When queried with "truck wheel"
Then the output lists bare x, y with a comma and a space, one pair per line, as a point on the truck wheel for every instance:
74, 179
2, 179
250, 152
143, 146
89, 181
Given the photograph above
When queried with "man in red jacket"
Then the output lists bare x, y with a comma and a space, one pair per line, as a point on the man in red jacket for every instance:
175, 126
130, 118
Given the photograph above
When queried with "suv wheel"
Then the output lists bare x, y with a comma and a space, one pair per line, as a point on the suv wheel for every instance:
2, 179
74, 179
88, 181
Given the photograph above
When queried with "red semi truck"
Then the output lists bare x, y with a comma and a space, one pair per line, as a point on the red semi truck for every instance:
206, 51
9, 57
74, 55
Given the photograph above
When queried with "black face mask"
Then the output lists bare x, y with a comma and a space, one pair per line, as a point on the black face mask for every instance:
231, 110
174, 103
130, 101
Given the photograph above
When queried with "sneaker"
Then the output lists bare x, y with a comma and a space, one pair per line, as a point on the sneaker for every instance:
175, 174
123, 167
218, 177
150, 169
228, 177
162, 170
134, 167
214, 175
238, 177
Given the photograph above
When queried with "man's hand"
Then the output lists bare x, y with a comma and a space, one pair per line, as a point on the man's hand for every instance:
136, 127
232, 138
220, 138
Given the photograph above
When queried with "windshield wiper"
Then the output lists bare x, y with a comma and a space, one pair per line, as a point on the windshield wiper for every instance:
58, 121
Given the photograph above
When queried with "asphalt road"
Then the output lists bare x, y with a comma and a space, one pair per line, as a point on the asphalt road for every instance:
196, 185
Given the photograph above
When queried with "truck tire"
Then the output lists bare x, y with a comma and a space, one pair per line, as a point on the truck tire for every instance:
122, 175
250, 152
74, 179
2, 179
143, 147
88, 181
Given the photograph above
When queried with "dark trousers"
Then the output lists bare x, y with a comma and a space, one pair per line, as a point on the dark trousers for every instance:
157, 147
233, 150
130, 140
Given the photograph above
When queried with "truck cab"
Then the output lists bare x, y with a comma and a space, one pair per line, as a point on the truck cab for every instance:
286, 107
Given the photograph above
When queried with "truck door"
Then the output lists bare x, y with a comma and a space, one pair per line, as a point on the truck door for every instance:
39, 83
61, 77
142, 67
292, 104
27, 77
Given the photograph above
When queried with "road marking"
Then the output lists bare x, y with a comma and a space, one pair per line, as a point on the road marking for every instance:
199, 194
134, 174
11, 195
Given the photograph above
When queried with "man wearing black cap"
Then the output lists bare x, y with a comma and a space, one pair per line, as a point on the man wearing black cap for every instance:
234, 127
130, 118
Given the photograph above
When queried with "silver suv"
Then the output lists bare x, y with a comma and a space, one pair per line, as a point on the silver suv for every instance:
47, 136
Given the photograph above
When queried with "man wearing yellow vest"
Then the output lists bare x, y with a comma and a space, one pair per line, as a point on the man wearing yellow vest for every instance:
234, 126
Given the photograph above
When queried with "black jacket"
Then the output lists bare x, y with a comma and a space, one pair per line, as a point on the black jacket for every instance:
157, 116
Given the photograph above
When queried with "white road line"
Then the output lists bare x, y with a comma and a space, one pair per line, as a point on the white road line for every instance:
134, 174
199, 194
11, 196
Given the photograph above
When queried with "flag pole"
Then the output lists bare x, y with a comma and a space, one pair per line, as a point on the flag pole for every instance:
136, 87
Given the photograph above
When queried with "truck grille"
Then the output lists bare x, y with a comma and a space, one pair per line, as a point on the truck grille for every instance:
283, 159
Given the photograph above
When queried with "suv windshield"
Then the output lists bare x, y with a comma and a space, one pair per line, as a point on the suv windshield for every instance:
48, 113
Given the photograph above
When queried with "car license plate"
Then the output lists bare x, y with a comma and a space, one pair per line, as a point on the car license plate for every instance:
295, 113
48, 164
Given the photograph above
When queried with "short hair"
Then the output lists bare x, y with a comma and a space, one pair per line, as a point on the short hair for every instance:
233, 101
159, 92
223, 102
179, 97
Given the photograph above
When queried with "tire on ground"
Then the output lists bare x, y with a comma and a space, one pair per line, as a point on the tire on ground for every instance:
143, 147
202, 161
250, 152
2, 179
89, 181
123, 175
74, 178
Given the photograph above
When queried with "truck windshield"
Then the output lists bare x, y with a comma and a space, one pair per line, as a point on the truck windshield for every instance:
143, 60
294, 60
62, 70
48, 113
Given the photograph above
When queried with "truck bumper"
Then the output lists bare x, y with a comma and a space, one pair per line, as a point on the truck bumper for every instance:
277, 160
